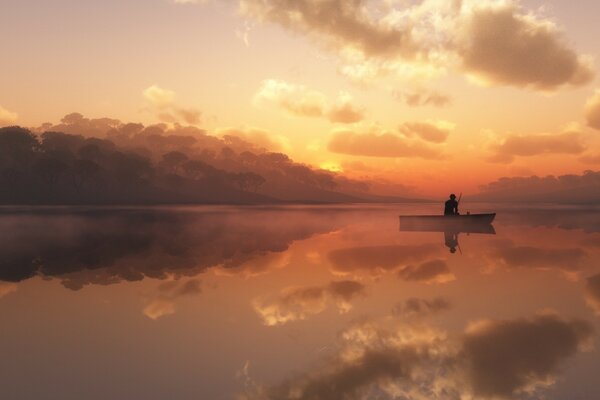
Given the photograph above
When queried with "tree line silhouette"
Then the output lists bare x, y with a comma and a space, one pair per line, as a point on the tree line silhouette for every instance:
134, 164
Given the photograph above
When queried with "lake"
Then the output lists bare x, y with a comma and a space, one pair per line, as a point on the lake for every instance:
297, 302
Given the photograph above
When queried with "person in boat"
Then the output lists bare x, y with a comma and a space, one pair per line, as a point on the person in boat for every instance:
451, 207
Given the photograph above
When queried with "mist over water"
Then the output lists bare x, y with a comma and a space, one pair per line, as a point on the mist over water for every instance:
298, 302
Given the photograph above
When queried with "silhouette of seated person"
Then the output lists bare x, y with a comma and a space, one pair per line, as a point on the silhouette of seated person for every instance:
451, 240
451, 206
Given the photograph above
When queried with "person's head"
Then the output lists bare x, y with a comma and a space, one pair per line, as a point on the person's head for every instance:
453, 196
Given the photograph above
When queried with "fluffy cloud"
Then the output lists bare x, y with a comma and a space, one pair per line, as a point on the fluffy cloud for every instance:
498, 42
379, 145
592, 110
340, 23
592, 292
7, 117
436, 132
422, 98
492, 359
297, 303
164, 105
502, 45
302, 101
259, 138
534, 145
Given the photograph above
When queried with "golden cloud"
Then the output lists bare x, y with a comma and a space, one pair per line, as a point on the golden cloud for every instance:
7, 117
162, 101
534, 145
592, 111
436, 132
502, 45
380, 145
498, 42
302, 101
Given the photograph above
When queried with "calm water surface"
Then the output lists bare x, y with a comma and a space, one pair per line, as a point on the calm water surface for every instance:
297, 303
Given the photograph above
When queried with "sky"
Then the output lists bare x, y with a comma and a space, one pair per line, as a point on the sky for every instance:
434, 95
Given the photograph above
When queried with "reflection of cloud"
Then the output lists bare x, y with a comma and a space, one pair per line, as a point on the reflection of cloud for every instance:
434, 271
514, 256
169, 292
159, 308
533, 145
379, 145
297, 303
7, 288
377, 259
491, 360
302, 101
592, 292
592, 110
415, 307
504, 357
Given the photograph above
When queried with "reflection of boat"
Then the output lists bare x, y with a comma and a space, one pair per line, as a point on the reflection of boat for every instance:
469, 223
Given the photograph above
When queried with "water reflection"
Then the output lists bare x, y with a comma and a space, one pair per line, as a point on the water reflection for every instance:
297, 303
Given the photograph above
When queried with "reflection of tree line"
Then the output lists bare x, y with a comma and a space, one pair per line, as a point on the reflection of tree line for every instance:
110, 246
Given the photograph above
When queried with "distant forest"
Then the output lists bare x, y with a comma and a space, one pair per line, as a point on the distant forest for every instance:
135, 164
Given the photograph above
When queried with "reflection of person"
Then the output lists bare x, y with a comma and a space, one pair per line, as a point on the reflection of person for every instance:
451, 207
451, 240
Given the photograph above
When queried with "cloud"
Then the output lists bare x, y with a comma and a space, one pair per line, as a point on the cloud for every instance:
379, 145
504, 46
7, 117
254, 137
339, 23
436, 132
297, 303
592, 292
592, 111
590, 158
505, 357
534, 145
344, 111
584, 188
430, 272
492, 359
415, 307
302, 101
423, 98
498, 42
162, 101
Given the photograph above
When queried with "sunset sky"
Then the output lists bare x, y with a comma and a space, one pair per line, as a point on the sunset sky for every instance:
437, 95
